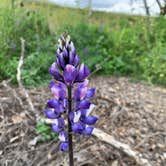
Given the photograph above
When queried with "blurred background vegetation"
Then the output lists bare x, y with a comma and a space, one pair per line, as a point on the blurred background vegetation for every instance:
132, 45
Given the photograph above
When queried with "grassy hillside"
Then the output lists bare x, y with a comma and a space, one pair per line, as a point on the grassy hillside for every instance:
130, 46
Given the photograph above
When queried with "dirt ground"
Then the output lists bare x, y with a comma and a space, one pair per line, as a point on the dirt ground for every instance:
134, 113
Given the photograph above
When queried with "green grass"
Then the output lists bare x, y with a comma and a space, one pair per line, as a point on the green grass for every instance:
132, 50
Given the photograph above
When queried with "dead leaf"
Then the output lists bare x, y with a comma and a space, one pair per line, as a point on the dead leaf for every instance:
17, 119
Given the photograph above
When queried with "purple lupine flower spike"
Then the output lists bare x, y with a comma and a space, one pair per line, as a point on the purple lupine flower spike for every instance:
71, 96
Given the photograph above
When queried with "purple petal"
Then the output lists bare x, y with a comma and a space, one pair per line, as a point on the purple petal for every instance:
90, 93
62, 94
78, 127
58, 90
77, 94
83, 73
56, 128
61, 122
61, 60
83, 84
71, 116
53, 103
90, 120
80, 93
58, 125
88, 130
76, 60
53, 70
64, 146
71, 46
65, 103
72, 55
83, 93
84, 104
61, 108
60, 85
58, 63
86, 112
65, 53
55, 90
58, 106
52, 84
51, 114
70, 74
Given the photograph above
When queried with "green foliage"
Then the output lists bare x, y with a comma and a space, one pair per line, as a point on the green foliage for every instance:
45, 131
33, 27
124, 40
154, 65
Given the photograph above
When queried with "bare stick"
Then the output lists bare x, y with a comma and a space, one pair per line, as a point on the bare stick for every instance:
120, 146
21, 61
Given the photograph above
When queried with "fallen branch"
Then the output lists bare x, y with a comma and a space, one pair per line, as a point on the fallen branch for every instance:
120, 146
21, 61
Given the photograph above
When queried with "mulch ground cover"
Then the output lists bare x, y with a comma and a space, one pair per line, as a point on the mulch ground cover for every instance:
134, 113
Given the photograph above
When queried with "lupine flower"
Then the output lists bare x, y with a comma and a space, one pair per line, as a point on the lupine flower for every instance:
69, 73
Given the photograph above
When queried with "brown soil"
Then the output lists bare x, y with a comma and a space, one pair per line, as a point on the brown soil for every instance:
133, 113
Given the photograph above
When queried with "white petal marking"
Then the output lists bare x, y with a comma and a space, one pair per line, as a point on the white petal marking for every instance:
62, 137
92, 106
76, 116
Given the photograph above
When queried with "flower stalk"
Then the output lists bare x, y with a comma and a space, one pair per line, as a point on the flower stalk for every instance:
71, 160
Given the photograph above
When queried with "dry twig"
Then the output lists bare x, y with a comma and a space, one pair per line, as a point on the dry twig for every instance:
21, 61
120, 146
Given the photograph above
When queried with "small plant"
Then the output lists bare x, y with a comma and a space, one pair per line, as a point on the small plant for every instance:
71, 96
45, 131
